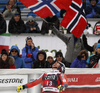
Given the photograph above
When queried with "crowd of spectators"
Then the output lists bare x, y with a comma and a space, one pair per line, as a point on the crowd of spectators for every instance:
42, 59
17, 25
77, 48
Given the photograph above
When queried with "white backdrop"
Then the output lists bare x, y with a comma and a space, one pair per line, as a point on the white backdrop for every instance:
46, 42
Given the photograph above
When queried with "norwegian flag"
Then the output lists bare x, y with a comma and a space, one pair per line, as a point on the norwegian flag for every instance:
42, 8
63, 4
74, 19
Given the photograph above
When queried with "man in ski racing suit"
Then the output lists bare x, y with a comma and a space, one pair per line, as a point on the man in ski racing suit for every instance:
53, 82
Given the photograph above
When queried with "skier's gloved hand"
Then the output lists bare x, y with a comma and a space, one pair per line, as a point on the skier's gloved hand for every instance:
61, 88
19, 88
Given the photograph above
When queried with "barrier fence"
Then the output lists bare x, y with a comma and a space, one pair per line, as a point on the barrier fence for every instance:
80, 80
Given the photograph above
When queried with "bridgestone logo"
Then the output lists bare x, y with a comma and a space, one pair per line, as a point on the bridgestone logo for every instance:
13, 80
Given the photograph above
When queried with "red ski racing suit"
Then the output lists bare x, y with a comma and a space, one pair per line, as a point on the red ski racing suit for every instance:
51, 81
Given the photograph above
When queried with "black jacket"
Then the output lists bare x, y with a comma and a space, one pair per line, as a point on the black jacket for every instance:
45, 26
41, 64
16, 27
64, 62
2, 25
86, 46
94, 60
28, 27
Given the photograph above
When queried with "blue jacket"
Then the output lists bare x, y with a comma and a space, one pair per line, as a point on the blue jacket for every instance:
19, 62
29, 60
92, 11
88, 60
78, 64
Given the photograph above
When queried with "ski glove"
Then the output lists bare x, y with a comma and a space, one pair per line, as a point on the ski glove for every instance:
61, 88
19, 88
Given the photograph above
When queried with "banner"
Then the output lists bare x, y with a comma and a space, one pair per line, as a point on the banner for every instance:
83, 83
13, 80
4, 41
83, 80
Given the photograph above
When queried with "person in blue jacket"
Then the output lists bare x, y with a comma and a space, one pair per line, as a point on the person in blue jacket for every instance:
92, 11
19, 62
29, 52
81, 60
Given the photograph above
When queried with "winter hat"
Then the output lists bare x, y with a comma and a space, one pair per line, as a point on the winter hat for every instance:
16, 14
4, 52
28, 38
59, 54
98, 45
62, 12
42, 52
95, 0
49, 54
30, 19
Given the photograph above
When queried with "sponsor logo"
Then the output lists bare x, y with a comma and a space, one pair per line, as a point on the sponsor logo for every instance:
50, 77
97, 79
13, 80
72, 79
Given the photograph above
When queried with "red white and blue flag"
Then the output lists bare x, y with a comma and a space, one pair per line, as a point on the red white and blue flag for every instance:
74, 19
42, 8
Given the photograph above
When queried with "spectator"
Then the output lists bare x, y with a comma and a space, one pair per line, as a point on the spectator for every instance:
86, 46
41, 61
80, 61
32, 26
50, 58
6, 62
59, 57
46, 27
3, 24
92, 11
16, 24
10, 9
19, 62
96, 29
95, 59
74, 45
93, 53
29, 52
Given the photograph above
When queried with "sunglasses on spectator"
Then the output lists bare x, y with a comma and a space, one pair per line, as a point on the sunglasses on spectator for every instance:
14, 51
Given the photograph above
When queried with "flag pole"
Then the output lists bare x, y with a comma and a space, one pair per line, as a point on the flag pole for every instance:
44, 20
47, 21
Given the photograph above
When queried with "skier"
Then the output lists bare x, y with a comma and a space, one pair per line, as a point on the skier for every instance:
53, 82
